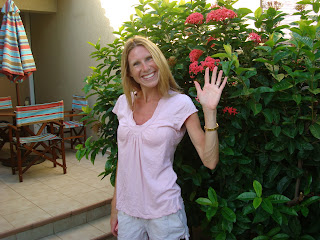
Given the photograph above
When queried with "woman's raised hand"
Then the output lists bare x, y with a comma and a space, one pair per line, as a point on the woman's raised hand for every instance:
209, 96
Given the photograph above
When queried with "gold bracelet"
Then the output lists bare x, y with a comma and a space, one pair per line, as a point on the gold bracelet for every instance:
211, 129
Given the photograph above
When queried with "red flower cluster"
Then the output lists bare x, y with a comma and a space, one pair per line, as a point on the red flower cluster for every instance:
210, 63
194, 18
195, 54
210, 39
230, 110
254, 37
220, 15
194, 69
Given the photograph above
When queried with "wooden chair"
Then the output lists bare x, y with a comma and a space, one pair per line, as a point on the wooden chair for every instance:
41, 143
75, 128
5, 105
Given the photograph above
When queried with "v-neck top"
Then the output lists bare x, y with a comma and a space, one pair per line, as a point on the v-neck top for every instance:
146, 181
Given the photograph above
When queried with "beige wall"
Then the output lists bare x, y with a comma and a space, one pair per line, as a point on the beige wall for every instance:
61, 51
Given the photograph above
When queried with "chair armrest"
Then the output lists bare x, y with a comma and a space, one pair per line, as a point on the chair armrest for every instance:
75, 114
14, 127
70, 111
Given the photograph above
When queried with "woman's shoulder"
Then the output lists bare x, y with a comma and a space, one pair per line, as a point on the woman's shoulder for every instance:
177, 96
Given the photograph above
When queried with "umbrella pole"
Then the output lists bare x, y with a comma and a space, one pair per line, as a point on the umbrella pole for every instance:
18, 94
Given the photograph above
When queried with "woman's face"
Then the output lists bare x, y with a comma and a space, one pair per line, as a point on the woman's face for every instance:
142, 67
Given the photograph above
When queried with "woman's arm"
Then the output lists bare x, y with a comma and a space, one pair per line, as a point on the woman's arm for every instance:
207, 143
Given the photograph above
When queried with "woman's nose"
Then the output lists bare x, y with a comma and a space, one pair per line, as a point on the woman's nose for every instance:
145, 66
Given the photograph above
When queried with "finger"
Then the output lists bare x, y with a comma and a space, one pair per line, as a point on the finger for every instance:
206, 76
219, 78
214, 75
224, 83
198, 87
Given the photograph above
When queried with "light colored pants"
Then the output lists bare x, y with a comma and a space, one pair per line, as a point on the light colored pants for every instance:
170, 227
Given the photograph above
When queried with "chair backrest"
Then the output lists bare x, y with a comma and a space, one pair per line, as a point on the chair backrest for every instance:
39, 113
78, 102
5, 103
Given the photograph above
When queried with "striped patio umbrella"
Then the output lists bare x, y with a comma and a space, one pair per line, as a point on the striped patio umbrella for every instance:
16, 60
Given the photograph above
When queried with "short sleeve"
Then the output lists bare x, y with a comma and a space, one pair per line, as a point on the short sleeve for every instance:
184, 109
116, 107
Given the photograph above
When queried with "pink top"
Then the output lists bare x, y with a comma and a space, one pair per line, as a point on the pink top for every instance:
146, 182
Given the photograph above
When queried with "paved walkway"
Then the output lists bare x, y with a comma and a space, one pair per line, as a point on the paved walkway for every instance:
46, 192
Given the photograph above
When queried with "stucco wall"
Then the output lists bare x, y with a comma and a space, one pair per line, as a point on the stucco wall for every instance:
61, 49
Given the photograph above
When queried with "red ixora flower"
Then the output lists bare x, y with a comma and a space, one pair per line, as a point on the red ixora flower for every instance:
195, 18
220, 15
210, 63
230, 110
210, 39
254, 37
195, 54
194, 69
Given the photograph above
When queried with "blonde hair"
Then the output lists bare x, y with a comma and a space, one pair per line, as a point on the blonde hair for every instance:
166, 80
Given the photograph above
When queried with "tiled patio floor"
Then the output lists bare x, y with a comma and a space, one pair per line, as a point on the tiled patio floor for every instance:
46, 192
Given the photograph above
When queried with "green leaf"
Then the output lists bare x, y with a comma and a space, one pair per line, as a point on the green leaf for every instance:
277, 198
188, 169
267, 205
307, 237
228, 214
204, 201
268, 115
221, 236
281, 236
297, 98
315, 130
258, 13
139, 13
288, 210
211, 212
273, 231
276, 130
283, 85
256, 202
255, 107
228, 49
311, 200
247, 196
261, 238
212, 195
88, 141
257, 187
277, 216
220, 55
305, 211
283, 184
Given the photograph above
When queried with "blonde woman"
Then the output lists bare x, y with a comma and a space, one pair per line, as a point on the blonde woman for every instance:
153, 117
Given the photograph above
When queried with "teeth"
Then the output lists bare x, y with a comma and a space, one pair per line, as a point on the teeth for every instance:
149, 76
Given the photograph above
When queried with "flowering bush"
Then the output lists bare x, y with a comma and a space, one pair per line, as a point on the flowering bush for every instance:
266, 185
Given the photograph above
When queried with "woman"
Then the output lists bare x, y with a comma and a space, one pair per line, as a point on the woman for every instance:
153, 117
